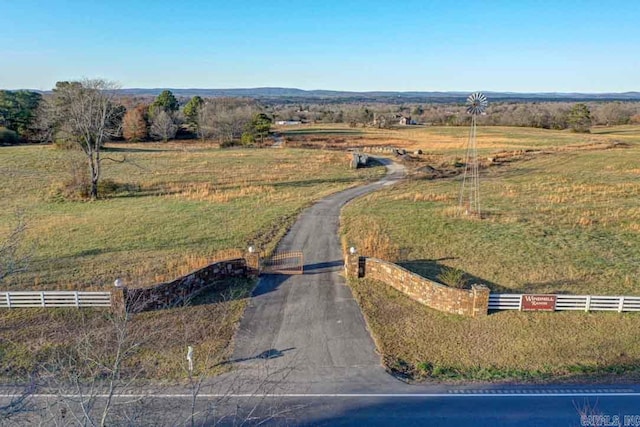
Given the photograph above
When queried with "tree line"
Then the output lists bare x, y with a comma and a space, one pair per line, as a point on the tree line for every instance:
546, 115
32, 117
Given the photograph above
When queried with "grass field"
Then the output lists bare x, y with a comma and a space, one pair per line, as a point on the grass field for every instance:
566, 222
421, 343
172, 208
452, 140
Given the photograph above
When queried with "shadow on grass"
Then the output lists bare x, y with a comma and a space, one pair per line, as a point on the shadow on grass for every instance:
311, 182
550, 287
294, 132
431, 269
218, 291
112, 149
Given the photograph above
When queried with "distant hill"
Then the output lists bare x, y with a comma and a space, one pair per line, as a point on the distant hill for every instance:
276, 94
286, 95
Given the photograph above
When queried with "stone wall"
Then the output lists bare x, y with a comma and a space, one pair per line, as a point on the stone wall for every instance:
175, 293
466, 302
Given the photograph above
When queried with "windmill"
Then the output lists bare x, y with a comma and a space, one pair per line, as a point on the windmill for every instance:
470, 191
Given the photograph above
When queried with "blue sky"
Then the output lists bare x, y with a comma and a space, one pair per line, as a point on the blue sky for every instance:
517, 45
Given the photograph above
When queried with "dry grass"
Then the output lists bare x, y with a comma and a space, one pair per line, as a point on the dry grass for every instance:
176, 207
376, 243
566, 222
419, 342
572, 216
175, 203
32, 338
450, 141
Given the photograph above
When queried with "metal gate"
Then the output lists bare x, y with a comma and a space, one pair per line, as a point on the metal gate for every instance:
284, 263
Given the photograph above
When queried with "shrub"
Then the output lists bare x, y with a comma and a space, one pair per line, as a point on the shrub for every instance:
425, 368
247, 138
8, 137
229, 143
453, 277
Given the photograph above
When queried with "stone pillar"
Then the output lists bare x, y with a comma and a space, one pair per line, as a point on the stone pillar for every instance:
351, 265
119, 299
480, 300
253, 262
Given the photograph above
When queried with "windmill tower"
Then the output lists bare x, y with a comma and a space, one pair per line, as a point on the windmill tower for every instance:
470, 191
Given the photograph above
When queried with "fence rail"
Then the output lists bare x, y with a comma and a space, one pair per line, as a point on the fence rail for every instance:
25, 299
571, 302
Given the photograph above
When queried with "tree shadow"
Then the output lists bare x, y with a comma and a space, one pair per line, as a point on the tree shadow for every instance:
337, 131
112, 149
147, 192
323, 267
311, 182
272, 353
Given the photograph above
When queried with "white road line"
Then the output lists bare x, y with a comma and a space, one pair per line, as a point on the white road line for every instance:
465, 394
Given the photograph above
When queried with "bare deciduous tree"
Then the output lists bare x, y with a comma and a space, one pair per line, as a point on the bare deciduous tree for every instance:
163, 126
223, 119
89, 376
87, 114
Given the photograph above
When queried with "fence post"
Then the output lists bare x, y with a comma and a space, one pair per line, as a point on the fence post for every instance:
480, 300
621, 305
77, 299
42, 299
8, 299
252, 259
520, 303
118, 299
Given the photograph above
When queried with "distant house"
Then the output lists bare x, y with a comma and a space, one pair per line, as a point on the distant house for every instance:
406, 120
288, 122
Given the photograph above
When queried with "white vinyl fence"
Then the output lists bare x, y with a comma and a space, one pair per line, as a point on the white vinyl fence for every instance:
24, 299
570, 302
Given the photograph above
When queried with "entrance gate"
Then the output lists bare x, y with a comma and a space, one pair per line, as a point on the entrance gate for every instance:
284, 263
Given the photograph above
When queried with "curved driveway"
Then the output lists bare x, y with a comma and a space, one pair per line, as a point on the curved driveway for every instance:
303, 350
305, 333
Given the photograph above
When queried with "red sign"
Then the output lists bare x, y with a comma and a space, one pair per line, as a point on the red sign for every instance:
538, 303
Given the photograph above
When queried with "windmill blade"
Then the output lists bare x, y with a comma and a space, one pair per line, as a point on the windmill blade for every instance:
476, 103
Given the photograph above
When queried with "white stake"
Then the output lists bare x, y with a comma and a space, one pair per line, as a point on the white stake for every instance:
190, 358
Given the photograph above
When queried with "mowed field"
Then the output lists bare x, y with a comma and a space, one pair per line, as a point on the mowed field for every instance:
171, 208
563, 222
